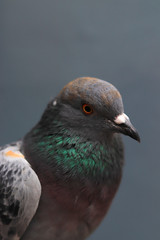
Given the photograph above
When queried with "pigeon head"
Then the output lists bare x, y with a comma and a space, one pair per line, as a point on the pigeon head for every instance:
92, 106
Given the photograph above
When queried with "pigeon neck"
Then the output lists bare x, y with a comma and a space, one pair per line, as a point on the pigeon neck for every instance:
67, 153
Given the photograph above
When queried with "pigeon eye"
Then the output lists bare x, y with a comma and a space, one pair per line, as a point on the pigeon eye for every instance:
87, 109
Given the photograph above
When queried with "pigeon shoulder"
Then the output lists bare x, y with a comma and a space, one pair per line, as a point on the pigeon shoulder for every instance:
20, 192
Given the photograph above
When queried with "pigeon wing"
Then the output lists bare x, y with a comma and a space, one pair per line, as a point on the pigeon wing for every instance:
20, 192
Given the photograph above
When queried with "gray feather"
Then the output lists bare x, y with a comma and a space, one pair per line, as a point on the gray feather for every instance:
20, 192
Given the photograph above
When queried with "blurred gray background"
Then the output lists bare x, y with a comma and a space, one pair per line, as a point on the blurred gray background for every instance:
46, 44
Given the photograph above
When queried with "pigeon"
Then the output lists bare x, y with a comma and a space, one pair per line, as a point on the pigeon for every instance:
58, 182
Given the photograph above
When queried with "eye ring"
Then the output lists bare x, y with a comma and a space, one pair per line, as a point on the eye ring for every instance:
87, 109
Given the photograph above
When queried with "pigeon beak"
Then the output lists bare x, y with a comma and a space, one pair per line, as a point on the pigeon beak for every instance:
126, 127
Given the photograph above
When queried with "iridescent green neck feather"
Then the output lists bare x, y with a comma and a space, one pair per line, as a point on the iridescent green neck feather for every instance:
71, 155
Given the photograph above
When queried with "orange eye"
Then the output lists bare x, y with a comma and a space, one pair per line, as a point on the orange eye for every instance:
87, 109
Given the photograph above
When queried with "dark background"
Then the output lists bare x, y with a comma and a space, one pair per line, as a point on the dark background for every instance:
46, 44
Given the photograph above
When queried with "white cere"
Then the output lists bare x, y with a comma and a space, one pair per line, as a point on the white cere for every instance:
121, 118
54, 103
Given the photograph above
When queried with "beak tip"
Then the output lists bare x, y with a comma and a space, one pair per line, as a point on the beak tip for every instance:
134, 134
138, 138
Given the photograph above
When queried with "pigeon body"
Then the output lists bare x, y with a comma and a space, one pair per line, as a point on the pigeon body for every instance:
75, 154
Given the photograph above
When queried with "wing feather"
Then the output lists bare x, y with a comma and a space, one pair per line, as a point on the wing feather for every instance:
20, 192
